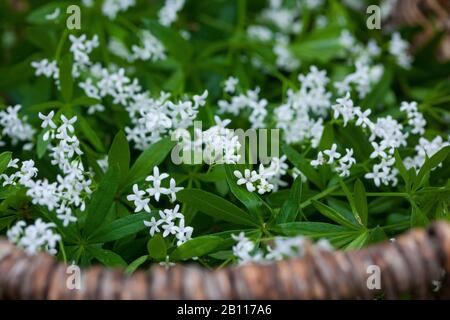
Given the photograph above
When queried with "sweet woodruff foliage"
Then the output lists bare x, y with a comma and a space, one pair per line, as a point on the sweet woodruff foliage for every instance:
89, 117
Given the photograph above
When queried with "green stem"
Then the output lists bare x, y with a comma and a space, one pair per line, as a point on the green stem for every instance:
60, 46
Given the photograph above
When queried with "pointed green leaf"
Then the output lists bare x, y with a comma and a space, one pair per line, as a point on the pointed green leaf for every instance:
156, 248
151, 157
430, 163
291, 206
102, 200
5, 157
361, 201
304, 166
107, 257
333, 215
119, 154
215, 206
254, 204
135, 264
120, 228
196, 247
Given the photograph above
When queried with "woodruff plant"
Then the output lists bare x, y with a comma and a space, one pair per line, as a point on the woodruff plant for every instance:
90, 117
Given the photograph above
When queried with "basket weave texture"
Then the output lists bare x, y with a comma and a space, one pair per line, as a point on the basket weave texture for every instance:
408, 265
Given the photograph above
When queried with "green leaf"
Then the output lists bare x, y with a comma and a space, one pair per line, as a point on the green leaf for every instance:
65, 78
332, 214
120, 228
215, 206
327, 139
102, 200
430, 163
6, 221
359, 241
151, 157
254, 204
361, 201
85, 101
156, 247
291, 206
90, 134
301, 163
321, 44
401, 168
119, 154
41, 145
314, 230
107, 257
45, 106
178, 47
135, 264
5, 157
355, 138
418, 218
380, 90
196, 247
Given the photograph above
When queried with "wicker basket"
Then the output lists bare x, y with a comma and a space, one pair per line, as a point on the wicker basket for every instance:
408, 265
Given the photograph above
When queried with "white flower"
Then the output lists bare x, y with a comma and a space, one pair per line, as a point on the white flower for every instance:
34, 238
67, 124
47, 120
169, 228
173, 189
153, 225
332, 154
319, 161
363, 118
13, 163
378, 151
139, 202
171, 214
200, 100
399, 49
166, 263
156, 178
230, 85
169, 12
248, 179
183, 233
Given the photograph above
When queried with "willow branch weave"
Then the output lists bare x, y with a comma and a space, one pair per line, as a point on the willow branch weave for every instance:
408, 265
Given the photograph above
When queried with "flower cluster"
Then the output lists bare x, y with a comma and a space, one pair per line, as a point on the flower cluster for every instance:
415, 118
172, 221
169, 12
16, 128
424, 149
386, 136
344, 163
266, 179
249, 101
155, 191
111, 8
246, 251
46, 68
151, 118
286, 21
363, 79
34, 238
346, 109
399, 49
151, 50
294, 117
70, 189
